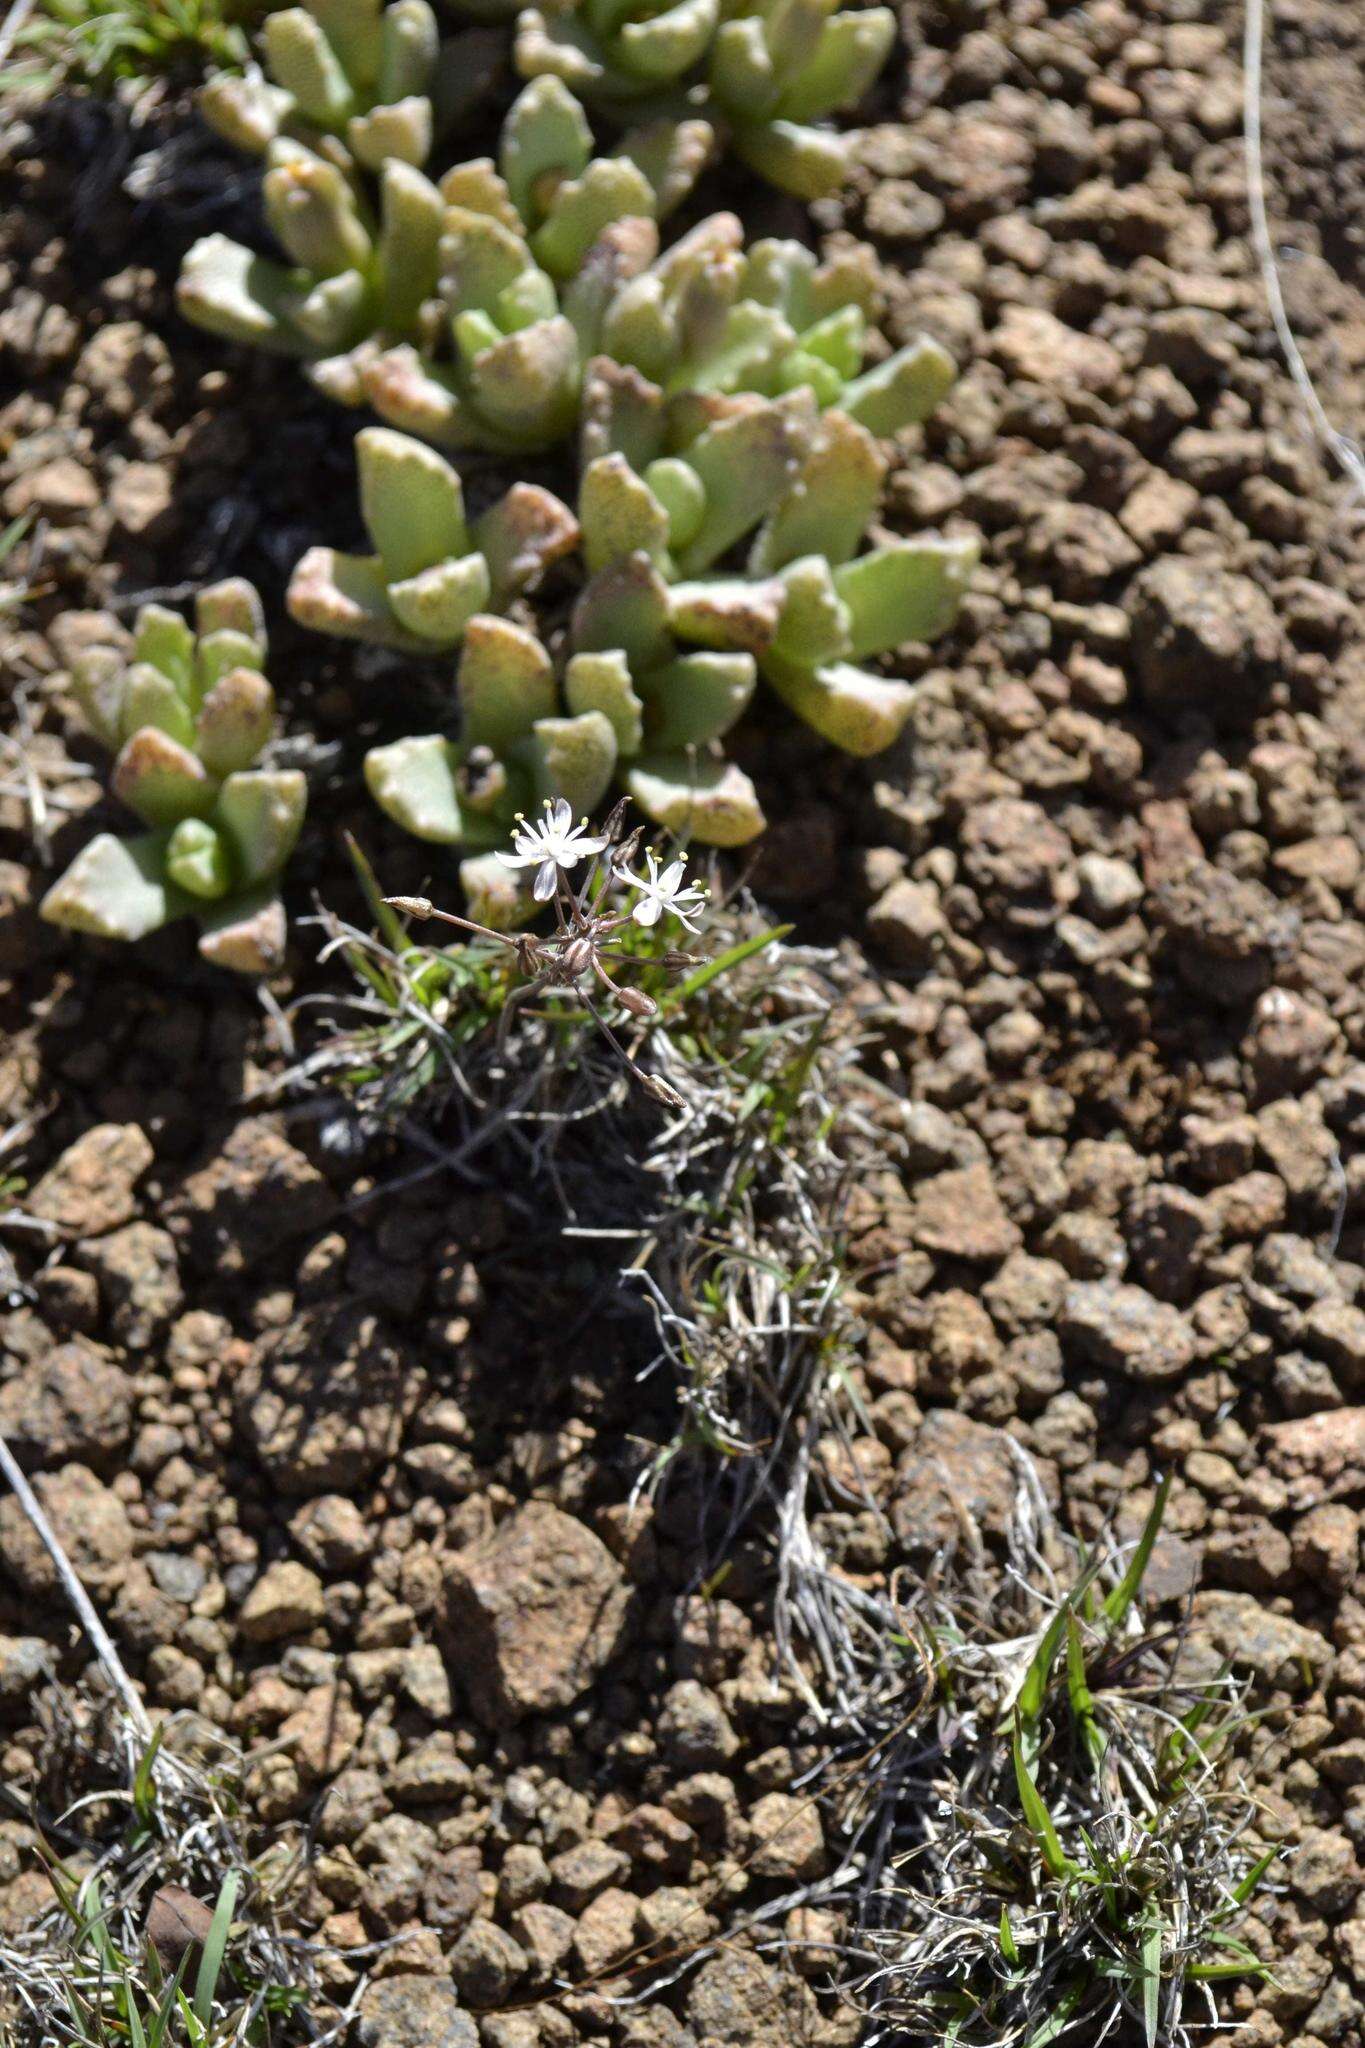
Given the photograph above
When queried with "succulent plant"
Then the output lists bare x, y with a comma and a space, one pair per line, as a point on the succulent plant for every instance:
432, 571
516, 747
812, 601
349, 276
186, 720
703, 317
766, 72
531, 250
354, 75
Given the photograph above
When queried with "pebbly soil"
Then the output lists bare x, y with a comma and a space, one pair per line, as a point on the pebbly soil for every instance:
306, 1437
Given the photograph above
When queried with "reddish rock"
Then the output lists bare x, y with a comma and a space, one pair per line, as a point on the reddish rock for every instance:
532, 1615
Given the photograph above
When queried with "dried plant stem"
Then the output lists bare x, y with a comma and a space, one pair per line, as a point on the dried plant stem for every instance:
76, 1593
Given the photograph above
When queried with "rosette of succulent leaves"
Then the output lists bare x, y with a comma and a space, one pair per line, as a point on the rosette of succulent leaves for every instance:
467, 312
186, 718
349, 79
765, 74
432, 570
723, 539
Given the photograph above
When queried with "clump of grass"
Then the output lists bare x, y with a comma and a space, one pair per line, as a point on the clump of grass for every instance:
719, 1180
107, 46
1060, 1842
126, 1827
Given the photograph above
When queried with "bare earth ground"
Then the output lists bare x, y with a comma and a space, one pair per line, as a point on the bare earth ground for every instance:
300, 1444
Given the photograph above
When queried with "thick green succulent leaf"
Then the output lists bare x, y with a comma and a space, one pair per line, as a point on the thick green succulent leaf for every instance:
602, 682
659, 48
415, 782
744, 465
620, 515
232, 606
859, 712
626, 606
336, 313
902, 390
621, 253
852, 49
610, 189
476, 187
504, 684
411, 501
742, 74
160, 780
150, 698
479, 258
810, 163
525, 388
522, 536
412, 214
831, 501
115, 889
672, 155
399, 133
910, 590
546, 131
165, 640
217, 654
346, 595
560, 47
313, 216
302, 60
231, 291
727, 612
410, 40
246, 112
244, 933
198, 861
260, 813
622, 414
99, 678
711, 801
695, 698
354, 29
437, 604
816, 625
420, 398
681, 492
574, 758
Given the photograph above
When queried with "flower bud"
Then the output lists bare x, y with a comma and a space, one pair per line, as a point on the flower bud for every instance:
637, 1002
415, 906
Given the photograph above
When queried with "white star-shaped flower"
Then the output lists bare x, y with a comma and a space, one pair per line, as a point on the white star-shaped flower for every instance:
552, 847
666, 892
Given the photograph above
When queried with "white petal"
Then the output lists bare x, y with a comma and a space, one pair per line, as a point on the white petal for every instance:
516, 860
562, 814
672, 876
543, 888
647, 912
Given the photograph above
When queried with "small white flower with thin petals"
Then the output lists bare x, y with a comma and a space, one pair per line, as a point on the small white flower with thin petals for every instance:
666, 892
552, 847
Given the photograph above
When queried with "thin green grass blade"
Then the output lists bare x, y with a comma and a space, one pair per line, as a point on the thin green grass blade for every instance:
1242, 1892
1151, 1977
215, 1947
390, 924
1060, 2018
144, 1780
1039, 1820
1125, 1593
1081, 1697
1009, 1947
723, 962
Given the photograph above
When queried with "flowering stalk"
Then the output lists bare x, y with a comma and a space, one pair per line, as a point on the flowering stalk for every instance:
580, 950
